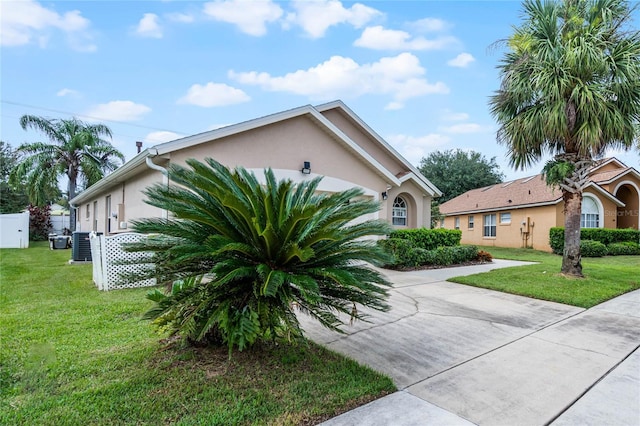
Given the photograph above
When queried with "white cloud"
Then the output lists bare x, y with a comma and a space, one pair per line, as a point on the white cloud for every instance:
180, 17
149, 26
161, 136
448, 115
22, 22
250, 16
401, 77
68, 92
464, 128
415, 148
380, 38
118, 111
213, 95
315, 17
462, 60
430, 25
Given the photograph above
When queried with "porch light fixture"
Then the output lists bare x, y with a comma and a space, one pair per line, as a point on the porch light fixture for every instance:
306, 168
385, 195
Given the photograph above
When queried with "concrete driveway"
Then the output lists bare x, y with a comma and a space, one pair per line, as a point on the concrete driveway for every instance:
463, 355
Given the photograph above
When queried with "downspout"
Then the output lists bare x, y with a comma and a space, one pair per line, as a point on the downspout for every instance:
165, 177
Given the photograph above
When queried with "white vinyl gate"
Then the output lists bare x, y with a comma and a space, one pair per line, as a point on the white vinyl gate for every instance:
110, 261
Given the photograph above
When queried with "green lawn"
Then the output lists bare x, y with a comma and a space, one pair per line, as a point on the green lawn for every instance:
605, 277
70, 354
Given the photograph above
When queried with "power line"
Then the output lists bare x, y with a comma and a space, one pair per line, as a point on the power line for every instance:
88, 116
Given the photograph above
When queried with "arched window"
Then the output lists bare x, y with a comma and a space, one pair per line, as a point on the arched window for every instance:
590, 217
399, 215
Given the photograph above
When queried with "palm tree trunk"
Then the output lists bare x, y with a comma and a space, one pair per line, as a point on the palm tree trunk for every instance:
571, 257
71, 193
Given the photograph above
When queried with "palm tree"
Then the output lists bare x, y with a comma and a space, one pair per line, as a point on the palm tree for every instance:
77, 151
264, 248
570, 88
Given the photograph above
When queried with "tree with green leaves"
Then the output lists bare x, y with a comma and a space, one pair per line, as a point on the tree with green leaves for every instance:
241, 256
13, 197
76, 150
455, 172
571, 89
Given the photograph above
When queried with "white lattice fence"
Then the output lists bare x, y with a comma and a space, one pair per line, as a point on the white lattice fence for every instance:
115, 262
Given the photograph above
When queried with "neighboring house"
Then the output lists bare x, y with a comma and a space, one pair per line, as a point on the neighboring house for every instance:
520, 213
327, 140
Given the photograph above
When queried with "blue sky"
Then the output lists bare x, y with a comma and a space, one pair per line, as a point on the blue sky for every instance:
418, 72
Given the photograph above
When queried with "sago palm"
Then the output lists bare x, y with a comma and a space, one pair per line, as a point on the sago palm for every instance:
570, 88
77, 151
264, 249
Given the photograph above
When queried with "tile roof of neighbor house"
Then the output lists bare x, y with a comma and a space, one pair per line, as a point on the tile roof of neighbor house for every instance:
526, 192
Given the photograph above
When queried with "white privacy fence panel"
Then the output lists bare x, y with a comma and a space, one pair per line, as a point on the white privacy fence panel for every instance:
111, 262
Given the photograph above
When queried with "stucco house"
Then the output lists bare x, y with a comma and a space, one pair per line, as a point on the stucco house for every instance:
521, 212
327, 140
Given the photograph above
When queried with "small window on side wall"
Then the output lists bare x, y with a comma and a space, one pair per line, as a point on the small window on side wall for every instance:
470, 222
505, 218
489, 225
399, 214
87, 214
457, 223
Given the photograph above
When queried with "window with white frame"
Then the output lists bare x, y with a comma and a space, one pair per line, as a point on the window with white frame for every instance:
505, 218
399, 214
87, 213
470, 222
489, 225
457, 223
590, 216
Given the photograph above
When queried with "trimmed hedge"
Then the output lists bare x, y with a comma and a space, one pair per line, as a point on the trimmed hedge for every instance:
626, 248
406, 254
605, 236
429, 239
591, 248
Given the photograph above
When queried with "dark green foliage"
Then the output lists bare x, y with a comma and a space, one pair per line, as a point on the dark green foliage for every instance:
429, 239
455, 172
556, 171
604, 235
13, 197
591, 248
39, 222
406, 255
264, 249
627, 248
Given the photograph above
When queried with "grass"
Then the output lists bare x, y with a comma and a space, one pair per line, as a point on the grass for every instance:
74, 355
605, 277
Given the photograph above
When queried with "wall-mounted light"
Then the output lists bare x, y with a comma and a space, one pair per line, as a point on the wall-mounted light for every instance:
385, 195
306, 168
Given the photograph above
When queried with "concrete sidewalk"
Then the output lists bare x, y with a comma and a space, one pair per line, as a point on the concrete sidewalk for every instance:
464, 355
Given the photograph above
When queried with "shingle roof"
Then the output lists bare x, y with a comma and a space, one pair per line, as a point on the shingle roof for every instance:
519, 192
523, 192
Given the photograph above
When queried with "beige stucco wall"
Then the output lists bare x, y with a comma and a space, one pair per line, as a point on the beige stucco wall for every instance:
283, 146
127, 201
372, 147
540, 219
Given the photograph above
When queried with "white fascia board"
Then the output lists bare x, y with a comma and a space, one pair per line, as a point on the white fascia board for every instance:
630, 170
496, 209
600, 190
354, 147
420, 183
433, 190
231, 130
117, 176
610, 160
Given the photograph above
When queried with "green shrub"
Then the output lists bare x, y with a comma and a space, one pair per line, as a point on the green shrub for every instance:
429, 239
591, 248
403, 252
605, 236
626, 248
265, 248
444, 256
406, 254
